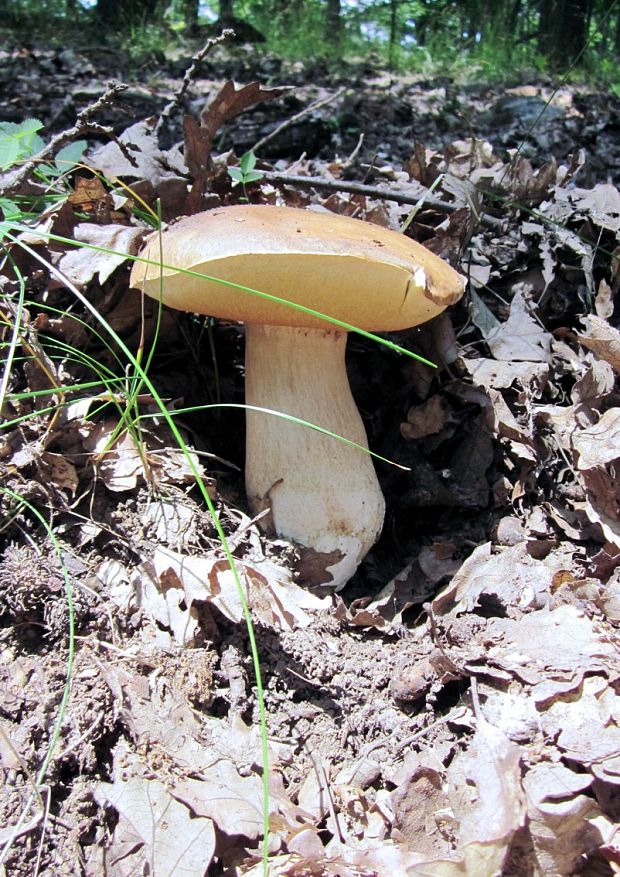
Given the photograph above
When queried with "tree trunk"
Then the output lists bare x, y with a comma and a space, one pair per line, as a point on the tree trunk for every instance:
226, 10
190, 16
114, 14
333, 25
393, 34
563, 30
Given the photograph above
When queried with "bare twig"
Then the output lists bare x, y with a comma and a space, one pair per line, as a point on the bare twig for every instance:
376, 192
349, 161
294, 119
190, 75
84, 124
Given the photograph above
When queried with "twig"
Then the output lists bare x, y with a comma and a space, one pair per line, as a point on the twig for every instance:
190, 75
349, 161
294, 119
375, 192
456, 713
83, 125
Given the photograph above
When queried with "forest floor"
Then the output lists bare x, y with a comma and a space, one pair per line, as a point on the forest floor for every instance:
453, 711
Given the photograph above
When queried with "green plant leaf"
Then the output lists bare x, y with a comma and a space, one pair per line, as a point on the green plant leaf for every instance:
19, 141
252, 176
235, 174
66, 159
247, 162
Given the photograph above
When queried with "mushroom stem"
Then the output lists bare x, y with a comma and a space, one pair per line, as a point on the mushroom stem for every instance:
323, 493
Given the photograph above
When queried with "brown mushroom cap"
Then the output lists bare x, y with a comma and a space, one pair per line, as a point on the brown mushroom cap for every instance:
354, 271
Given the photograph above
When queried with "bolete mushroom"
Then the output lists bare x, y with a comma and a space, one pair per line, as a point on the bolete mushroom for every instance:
322, 493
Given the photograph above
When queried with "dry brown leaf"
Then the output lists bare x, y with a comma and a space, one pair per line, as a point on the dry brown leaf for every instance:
199, 138
141, 142
79, 265
603, 340
512, 578
598, 450
502, 375
559, 824
521, 337
171, 583
121, 464
175, 842
426, 419
59, 471
230, 101
587, 729
487, 807
89, 194
233, 802
551, 650
599, 445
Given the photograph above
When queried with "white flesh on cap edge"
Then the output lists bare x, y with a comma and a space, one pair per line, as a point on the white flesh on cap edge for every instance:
323, 493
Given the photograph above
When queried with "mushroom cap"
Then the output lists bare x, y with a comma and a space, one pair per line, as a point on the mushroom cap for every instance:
354, 271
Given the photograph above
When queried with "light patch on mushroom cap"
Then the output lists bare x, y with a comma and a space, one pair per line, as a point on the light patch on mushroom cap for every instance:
354, 271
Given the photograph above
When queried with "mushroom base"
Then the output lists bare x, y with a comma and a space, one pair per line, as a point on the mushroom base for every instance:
322, 492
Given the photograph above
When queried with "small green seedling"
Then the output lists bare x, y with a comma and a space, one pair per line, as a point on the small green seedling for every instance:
245, 173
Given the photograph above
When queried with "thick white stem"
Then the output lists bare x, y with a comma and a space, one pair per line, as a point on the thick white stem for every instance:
323, 493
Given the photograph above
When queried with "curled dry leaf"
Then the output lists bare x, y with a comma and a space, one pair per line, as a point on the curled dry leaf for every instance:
122, 462
170, 585
512, 578
602, 339
598, 450
521, 337
80, 264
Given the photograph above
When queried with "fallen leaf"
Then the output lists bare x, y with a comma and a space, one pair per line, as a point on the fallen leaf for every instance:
521, 337
79, 265
175, 842
602, 339
509, 578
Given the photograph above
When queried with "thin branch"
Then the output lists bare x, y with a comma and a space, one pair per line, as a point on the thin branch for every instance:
375, 192
84, 124
294, 119
190, 75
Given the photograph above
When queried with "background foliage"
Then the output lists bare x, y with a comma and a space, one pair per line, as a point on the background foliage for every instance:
451, 35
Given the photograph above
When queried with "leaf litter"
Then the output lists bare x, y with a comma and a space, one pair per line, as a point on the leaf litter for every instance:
455, 712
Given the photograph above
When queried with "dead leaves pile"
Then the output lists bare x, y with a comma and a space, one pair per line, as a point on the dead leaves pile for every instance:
525, 768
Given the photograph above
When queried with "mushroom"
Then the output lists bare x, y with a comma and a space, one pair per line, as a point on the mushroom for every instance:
322, 493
